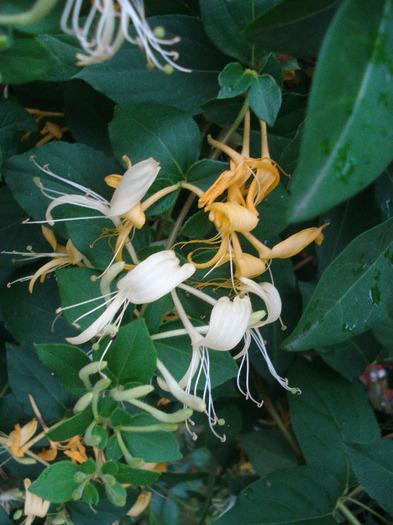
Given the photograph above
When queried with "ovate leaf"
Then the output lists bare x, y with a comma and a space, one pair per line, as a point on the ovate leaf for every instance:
373, 466
348, 139
56, 483
165, 133
265, 98
280, 498
352, 294
329, 412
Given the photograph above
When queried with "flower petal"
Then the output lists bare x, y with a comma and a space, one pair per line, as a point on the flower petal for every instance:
297, 242
155, 277
228, 323
269, 295
133, 186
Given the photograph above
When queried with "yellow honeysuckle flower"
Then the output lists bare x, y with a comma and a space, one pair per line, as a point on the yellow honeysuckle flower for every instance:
61, 256
19, 437
238, 213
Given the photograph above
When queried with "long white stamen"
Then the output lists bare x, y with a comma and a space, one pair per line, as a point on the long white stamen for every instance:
62, 309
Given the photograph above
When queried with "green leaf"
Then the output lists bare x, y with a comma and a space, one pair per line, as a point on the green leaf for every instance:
360, 276
347, 139
351, 357
132, 356
27, 376
322, 421
135, 476
268, 451
233, 80
383, 333
104, 513
76, 286
75, 162
65, 361
280, 498
73, 426
297, 36
283, 12
4, 519
30, 317
165, 133
56, 483
373, 466
14, 122
87, 114
272, 210
63, 49
264, 96
204, 172
156, 447
26, 60
224, 23
126, 79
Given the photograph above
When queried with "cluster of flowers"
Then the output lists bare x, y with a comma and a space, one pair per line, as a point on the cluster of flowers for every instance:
231, 203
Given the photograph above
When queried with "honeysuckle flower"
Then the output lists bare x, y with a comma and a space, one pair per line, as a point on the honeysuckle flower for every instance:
231, 321
61, 256
238, 213
107, 26
147, 282
19, 437
124, 209
140, 505
35, 507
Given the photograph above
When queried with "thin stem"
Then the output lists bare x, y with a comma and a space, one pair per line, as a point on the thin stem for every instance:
347, 513
179, 220
232, 129
5, 388
277, 419
123, 448
158, 195
38, 11
366, 507
178, 332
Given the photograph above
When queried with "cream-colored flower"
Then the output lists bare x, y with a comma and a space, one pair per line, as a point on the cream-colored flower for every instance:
35, 507
150, 280
107, 26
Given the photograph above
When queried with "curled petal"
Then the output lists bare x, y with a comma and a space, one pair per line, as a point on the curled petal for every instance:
133, 186
232, 217
154, 277
228, 323
297, 242
78, 200
249, 266
99, 326
34, 505
269, 295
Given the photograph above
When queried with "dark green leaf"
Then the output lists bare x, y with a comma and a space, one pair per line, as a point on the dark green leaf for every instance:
233, 80
135, 476
272, 212
87, 114
280, 498
300, 38
56, 483
63, 49
373, 466
268, 451
264, 96
165, 133
27, 376
132, 356
65, 361
359, 276
30, 317
156, 447
126, 79
14, 122
73, 426
204, 172
329, 411
351, 357
26, 60
347, 139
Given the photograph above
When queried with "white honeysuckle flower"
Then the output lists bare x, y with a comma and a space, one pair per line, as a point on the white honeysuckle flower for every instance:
107, 25
130, 191
230, 322
269, 295
34, 505
150, 280
124, 209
